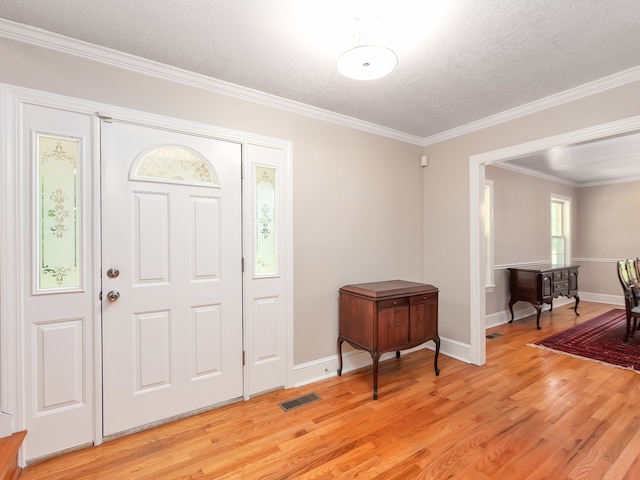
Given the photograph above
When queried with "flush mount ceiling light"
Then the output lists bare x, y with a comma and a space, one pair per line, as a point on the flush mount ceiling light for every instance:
367, 62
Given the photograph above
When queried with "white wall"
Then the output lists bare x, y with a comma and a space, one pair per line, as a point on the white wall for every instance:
364, 209
357, 196
522, 226
446, 190
607, 231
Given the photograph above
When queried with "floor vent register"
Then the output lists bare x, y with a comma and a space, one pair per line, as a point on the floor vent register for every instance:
299, 402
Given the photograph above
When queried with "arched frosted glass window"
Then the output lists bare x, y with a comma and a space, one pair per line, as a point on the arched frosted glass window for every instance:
173, 164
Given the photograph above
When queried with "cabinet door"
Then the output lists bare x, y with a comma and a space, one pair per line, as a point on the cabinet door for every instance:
546, 285
393, 328
573, 280
423, 318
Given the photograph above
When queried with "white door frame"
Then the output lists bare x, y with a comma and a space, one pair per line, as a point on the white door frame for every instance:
11, 315
477, 301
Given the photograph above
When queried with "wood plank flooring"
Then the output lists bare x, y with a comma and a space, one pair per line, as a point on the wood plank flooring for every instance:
526, 414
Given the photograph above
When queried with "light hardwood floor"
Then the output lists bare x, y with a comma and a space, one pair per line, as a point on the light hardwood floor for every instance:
526, 414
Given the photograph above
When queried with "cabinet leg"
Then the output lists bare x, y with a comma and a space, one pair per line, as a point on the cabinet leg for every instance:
435, 361
538, 310
376, 357
575, 309
340, 340
398, 354
511, 302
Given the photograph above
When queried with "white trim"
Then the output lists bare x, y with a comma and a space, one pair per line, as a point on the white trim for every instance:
6, 428
323, 368
10, 292
536, 174
42, 38
11, 99
603, 298
60, 43
7, 220
477, 303
3, 264
476, 179
612, 81
617, 127
596, 260
552, 178
96, 235
567, 220
489, 252
288, 266
499, 318
502, 317
610, 182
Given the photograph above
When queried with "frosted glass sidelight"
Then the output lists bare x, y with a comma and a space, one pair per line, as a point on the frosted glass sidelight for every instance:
265, 221
174, 164
59, 230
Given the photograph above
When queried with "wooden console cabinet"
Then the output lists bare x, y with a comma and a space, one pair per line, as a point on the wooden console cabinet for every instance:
541, 285
388, 316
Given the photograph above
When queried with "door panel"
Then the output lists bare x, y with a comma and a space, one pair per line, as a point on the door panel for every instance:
172, 340
56, 286
264, 282
166, 230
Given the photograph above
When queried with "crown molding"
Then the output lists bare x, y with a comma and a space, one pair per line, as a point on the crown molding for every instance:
53, 41
552, 178
612, 81
534, 173
501, 156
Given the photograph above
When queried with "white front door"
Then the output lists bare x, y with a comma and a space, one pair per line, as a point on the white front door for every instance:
171, 274
173, 339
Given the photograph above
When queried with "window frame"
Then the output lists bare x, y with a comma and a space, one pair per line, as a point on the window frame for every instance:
488, 223
565, 203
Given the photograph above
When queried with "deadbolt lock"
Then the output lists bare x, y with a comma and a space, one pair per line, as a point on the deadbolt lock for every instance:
113, 273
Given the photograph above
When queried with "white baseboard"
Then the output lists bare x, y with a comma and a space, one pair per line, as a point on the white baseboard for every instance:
602, 298
327, 367
5, 425
500, 318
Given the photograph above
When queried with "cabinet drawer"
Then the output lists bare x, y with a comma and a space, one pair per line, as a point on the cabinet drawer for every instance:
424, 298
393, 303
560, 275
561, 286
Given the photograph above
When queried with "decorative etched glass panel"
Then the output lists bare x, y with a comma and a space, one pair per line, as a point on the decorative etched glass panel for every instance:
59, 236
174, 164
265, 228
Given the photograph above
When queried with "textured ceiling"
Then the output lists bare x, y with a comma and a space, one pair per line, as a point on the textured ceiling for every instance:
459, 60
608, 160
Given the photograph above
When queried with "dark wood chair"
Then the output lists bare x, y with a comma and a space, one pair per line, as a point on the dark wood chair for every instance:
626, 272
632, 270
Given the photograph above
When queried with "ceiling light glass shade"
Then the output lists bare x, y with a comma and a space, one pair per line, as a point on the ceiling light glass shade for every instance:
367, 62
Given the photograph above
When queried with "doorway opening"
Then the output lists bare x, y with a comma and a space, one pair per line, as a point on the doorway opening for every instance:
477, 267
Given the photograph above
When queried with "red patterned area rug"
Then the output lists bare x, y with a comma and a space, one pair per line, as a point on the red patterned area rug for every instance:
600, 340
